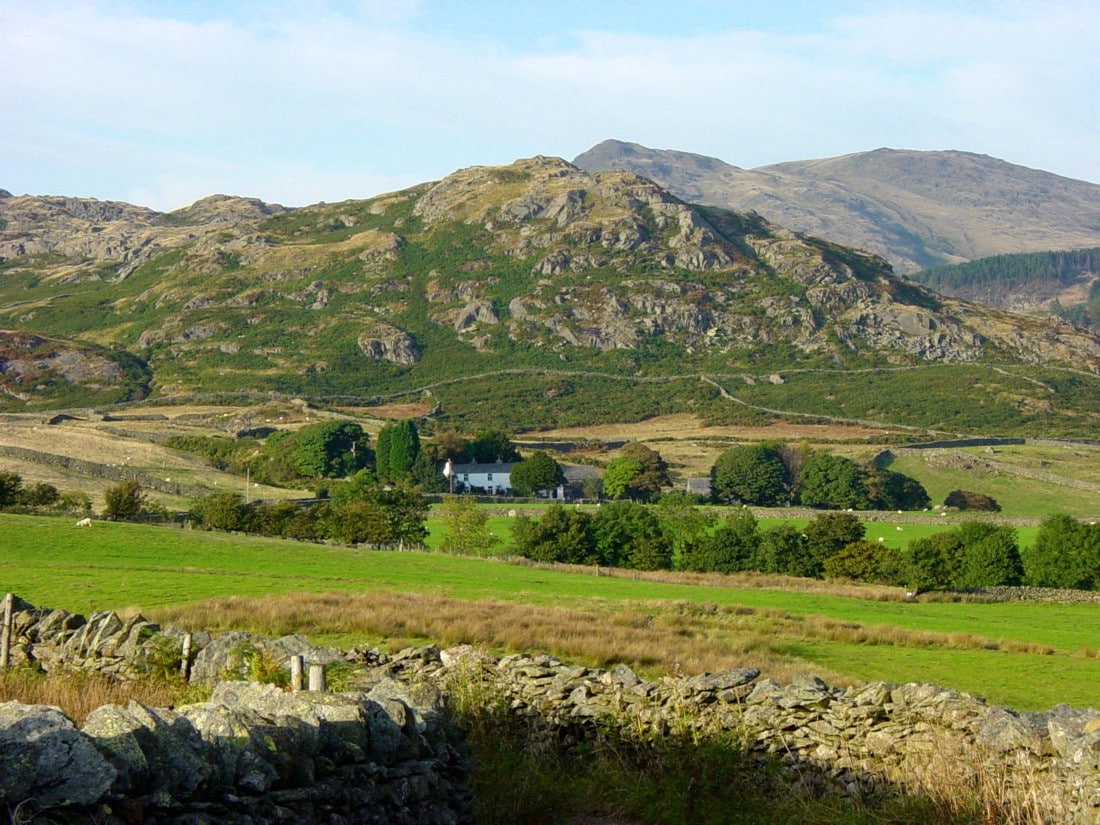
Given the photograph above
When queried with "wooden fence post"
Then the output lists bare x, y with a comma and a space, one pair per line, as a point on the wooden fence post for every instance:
185, 658
317, 678
296, 665
5, 641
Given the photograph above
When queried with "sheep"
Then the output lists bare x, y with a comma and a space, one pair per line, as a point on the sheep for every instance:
84, 522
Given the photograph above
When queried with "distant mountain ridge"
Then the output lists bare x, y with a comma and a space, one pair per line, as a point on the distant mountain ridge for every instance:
916, 209
572, 295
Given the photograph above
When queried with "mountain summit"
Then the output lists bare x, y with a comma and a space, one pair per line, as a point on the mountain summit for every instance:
916, 209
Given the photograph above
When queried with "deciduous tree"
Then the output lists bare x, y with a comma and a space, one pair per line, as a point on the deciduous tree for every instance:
539, 472
834, 481
465, 527
750, 474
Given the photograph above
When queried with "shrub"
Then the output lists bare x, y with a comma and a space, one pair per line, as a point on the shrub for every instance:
124, 501
969, 500
865, 561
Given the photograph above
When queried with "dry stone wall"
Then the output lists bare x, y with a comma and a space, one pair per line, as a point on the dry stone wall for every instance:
856, 742
382, 751
385, 745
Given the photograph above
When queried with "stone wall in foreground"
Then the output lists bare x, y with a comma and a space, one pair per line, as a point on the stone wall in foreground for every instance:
384, 748
383, 751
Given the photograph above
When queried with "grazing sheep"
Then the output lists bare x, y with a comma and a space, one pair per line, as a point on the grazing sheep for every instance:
84, 522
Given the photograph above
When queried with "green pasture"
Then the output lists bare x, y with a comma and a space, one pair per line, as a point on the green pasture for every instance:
51, 563
1017, 495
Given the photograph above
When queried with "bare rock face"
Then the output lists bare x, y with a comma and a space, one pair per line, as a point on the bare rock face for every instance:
388, 343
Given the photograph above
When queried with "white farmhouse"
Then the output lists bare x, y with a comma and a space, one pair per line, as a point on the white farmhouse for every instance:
487, 479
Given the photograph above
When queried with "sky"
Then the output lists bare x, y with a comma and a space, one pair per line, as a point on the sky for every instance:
161, 103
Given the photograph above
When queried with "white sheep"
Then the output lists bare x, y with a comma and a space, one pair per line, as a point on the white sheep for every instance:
84, 522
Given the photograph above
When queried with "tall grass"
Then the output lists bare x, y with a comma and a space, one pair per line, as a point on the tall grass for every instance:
654, 638
79, 692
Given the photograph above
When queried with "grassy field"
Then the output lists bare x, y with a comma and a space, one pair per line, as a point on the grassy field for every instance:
1027, 655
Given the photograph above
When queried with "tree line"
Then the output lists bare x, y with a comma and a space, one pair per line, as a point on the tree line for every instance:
674, 534
772, 475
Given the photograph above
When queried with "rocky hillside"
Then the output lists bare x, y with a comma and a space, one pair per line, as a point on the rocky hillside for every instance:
537, 265
916, 209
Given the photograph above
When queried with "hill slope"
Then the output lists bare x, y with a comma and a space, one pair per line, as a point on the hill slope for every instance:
916, 209
566, 290
1063, 283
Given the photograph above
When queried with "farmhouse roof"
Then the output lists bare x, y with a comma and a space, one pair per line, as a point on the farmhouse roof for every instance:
489, 467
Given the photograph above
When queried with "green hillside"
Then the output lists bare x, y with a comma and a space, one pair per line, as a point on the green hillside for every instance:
525, 296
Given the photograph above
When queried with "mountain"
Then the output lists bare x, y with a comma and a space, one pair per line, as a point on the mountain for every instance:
916, 209
530, 294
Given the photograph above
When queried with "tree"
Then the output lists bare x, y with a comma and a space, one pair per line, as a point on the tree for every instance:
539, 472
653, 473
361, 510
1066, 553
448, 444
832, 481
888, 490
829, 533
934, 562
619, 475
991, 556
866, 561
40, 495
559, 535
630, 535
124, 501
750, 474
785, 550
681, 520
331, 449
465, 527
428, 475
733, 547
396, 450
491, 446
11, 485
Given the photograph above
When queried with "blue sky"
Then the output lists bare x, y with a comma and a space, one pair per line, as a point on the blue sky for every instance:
161, 103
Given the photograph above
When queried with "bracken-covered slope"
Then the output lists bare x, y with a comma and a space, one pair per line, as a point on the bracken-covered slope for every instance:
537, 265
916, 209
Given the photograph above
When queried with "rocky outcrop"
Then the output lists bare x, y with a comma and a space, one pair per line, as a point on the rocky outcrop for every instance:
388, 343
